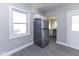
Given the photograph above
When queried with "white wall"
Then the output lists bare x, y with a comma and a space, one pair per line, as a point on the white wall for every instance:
6, 44
61, 14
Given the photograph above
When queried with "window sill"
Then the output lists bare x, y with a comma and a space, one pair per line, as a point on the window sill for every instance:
18, 36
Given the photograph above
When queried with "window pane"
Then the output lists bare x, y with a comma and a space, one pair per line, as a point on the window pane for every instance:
19, 28
19, 17
75, 23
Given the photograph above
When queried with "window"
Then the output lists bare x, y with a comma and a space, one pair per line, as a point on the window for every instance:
75, 23
19, 23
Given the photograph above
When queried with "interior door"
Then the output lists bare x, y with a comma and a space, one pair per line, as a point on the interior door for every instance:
73, 29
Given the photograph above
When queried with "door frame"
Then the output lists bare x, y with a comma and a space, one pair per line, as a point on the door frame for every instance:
69, 27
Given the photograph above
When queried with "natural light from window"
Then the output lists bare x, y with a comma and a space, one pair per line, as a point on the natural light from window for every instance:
19, 21
75, 23
19, 17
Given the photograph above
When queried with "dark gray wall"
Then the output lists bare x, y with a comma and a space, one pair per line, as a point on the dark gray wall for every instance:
5, 43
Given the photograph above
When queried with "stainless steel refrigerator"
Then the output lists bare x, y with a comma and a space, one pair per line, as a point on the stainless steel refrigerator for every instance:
41, 32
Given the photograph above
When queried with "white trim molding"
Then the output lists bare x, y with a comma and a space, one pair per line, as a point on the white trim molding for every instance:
16, 50
61, 43
64, 44
27, 13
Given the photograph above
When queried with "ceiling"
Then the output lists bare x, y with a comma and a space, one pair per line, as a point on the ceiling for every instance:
46, 6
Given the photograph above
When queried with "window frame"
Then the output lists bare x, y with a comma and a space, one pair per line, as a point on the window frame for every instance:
11, 31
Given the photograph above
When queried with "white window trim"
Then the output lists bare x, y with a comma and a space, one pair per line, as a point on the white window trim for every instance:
70, 14
10, 23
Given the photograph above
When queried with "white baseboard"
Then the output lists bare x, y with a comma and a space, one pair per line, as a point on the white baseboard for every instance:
64, 44
16, 50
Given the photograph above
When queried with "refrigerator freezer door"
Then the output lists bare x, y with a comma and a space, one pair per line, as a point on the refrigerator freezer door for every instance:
45, 24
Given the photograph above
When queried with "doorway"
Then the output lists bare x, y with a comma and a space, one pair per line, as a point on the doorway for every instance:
52, 26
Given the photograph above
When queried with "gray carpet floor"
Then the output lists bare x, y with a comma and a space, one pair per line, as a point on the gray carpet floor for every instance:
52, 49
